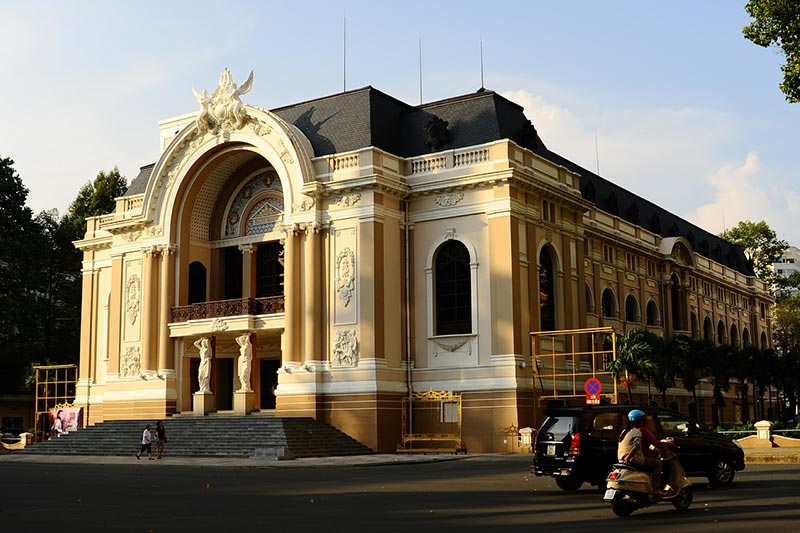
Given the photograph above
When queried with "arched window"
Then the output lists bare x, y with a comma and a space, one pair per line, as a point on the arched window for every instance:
452, 289
708, 330
695, 331
720, 332
631, 309
734, 336
764, 344
745, 337
609, 304
197, 282
547, 293
652, 314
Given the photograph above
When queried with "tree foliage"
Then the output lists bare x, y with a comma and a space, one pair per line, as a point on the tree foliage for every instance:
777, 23
786, 325
761, 246
40, 273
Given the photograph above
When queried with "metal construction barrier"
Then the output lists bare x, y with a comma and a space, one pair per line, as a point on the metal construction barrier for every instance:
574, 364
55, 389
432, 423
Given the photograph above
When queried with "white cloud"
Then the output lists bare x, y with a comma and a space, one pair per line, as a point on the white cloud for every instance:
676, 158
750, 191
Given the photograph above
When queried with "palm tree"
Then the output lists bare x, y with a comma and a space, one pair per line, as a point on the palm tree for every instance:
634, 358
720, 370
691, 357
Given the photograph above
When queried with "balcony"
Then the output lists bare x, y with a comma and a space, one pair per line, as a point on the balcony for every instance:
225, 308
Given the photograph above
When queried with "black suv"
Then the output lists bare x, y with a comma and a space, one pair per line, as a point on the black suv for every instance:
579, 444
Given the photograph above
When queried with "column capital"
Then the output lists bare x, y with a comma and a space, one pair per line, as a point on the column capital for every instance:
168, 249
151, 251
247, 248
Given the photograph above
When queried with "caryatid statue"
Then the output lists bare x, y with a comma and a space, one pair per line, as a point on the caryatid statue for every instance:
245, 361
203, 345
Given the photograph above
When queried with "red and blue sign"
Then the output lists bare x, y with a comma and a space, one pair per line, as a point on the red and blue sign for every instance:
593, 387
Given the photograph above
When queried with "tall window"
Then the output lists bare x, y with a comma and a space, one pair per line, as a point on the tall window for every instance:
269, 272
677, 302
453, 304
609, 304
547, 293
631, 309
233, 273
197, 282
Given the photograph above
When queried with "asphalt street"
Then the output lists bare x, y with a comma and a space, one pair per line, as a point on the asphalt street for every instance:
479, 493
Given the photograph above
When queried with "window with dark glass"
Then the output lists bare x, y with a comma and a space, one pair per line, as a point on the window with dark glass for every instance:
233, 273
452, 292
547, 293
608, 304
269, 270
197, 282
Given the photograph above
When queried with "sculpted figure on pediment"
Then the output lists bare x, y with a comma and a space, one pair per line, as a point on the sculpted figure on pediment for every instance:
223, 111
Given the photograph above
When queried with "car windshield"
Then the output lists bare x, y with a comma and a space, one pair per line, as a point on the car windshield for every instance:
557, 427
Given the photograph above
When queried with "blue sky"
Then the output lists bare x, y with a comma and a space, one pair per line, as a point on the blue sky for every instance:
684, 110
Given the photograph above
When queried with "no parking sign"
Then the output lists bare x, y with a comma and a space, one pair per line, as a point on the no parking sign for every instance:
593, 387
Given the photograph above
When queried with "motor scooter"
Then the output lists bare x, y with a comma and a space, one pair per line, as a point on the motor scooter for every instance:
629, 489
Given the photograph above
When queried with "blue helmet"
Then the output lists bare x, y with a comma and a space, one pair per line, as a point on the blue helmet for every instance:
636, 415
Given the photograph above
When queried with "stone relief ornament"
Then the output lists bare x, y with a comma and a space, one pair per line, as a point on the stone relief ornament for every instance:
223, 111
450, 234
449, 200
132, 290
132, 236
218, 325
347, 200
131, 365
345, 275
345, 349
305, 204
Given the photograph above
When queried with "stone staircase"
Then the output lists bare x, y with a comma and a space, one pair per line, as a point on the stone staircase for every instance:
233, 436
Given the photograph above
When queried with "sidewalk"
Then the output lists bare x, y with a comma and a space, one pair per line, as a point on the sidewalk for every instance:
772, 455
344, 461
752, 456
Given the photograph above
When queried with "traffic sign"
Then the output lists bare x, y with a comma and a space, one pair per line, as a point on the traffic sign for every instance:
593, 387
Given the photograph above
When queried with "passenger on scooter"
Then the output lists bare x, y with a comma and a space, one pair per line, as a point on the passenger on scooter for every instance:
634, 447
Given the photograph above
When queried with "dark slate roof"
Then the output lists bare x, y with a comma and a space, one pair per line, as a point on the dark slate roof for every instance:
139, 183
368, 117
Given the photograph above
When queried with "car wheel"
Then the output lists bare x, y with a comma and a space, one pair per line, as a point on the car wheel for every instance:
683, 500
722, 473
569, 483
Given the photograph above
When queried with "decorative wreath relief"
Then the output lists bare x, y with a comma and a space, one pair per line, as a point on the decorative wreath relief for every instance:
132, 298
345, 350
345, 275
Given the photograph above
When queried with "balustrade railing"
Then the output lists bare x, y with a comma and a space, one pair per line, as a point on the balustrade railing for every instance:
222, 308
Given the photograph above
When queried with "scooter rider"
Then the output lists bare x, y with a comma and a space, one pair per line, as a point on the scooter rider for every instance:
634, 447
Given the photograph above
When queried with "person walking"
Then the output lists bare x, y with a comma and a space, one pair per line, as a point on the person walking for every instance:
146, 444
161, 438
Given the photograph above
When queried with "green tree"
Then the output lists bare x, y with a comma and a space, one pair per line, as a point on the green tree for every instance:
719, 367
786, 325
634, 358
777, 23
95, 198
692, 355
19, 240
761, 246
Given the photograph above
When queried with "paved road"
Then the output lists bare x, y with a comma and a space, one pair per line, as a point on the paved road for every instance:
486, 493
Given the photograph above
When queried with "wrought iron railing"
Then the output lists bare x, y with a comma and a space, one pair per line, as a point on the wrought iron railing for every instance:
222, 308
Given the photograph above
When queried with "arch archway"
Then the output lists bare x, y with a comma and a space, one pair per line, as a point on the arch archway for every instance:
708, 330
721, 332
734, 338
632, 313
609, 304
653, 318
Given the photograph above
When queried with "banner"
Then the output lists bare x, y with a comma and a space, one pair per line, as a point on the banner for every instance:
65, 419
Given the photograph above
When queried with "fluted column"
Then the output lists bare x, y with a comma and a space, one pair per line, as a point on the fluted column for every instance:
115, 313
248, 270
291, 295
166, 360
88, 317
312, 274
149, 302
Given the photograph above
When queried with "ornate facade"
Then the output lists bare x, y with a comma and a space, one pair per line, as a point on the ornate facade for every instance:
350, 248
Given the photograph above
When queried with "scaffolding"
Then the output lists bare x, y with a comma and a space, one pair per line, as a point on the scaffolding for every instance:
55, 388
568, 364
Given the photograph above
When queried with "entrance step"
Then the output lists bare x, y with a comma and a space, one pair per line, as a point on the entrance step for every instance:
260, 435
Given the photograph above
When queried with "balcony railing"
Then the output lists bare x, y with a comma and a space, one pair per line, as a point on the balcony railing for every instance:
222, 308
